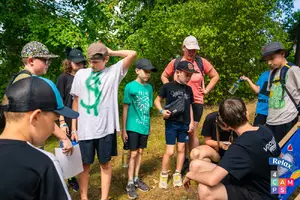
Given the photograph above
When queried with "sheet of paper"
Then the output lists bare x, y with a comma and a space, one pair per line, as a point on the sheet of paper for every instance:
71, 165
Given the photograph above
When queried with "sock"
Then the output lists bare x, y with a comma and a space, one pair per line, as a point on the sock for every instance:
164, 173
130, 182
177, 172
135, 178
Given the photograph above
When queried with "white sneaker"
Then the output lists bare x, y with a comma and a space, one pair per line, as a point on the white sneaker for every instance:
177, 180
163, 181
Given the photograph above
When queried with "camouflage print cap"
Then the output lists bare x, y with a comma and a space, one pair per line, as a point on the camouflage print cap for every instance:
36, 50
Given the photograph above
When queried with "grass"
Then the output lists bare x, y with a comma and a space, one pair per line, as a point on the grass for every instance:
150, 167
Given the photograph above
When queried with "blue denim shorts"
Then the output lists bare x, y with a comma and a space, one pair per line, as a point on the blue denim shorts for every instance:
176, 130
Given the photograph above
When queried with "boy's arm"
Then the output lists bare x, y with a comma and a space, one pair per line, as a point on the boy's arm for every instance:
191, 126
157, 102
74, 121
67, 145
128, 55
254, 87
124, 120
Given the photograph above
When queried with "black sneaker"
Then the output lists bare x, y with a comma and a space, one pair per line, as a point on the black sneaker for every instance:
131, 191
141, 185
72, 183
185, 167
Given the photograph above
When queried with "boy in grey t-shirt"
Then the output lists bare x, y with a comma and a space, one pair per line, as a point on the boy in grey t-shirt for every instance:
282, 113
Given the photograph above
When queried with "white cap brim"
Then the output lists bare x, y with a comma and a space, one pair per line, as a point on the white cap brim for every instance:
192, 46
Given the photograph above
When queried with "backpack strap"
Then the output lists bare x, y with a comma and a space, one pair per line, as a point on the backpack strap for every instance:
282, 75
15, 75
290, 96
199, 62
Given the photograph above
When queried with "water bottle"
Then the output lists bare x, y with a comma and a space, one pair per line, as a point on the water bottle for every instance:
235, 86
125, 155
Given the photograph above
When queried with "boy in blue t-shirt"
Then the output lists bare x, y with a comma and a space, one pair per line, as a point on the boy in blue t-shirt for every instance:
263, 95
138, 99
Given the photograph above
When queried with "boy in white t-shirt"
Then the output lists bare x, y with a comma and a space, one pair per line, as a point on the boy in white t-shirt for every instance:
95, 92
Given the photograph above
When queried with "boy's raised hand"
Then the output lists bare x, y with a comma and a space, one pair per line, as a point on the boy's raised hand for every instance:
244, 78
166, 114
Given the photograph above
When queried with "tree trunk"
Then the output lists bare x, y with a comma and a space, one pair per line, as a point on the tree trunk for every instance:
297, 54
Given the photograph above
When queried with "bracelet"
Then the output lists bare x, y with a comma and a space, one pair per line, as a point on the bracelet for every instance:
73, 132
61, 120
62, 125
160, 111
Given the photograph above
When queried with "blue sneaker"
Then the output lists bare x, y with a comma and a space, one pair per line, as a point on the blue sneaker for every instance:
72, 183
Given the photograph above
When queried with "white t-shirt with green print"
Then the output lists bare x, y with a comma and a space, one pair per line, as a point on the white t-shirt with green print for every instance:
98, 101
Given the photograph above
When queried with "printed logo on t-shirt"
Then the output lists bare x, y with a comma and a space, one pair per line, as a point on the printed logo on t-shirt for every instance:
276, 101
270, 146
92, 84
142, 102
179, 93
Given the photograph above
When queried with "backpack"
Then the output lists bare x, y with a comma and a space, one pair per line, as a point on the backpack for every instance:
198, 60
282, 80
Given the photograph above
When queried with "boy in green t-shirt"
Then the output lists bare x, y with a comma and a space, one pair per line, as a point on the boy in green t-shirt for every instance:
138, 97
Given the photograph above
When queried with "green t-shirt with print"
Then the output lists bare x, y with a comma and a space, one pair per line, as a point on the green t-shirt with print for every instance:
139, 98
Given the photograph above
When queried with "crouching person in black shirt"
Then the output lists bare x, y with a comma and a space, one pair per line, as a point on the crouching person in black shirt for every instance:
31, 106
244, 171
217, 138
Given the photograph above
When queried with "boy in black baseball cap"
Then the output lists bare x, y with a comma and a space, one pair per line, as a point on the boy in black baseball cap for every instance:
137, 102
31, 106
284, 87
179, 119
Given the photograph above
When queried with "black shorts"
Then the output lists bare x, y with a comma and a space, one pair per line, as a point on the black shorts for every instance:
106, 147
260, 119
135, 141
198, 111
280, 131
235, 192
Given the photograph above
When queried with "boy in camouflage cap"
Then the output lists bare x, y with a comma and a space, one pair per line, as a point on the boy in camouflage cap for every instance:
36, 59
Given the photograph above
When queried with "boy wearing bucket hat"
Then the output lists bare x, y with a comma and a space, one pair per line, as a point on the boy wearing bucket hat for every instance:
31, 106
284, 87
95, 92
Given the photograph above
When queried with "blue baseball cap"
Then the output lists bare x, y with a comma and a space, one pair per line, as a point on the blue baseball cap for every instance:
34, 93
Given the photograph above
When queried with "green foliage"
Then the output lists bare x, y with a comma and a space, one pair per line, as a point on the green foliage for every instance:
230, 33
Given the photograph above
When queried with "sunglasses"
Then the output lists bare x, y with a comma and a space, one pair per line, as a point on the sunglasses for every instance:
47, 61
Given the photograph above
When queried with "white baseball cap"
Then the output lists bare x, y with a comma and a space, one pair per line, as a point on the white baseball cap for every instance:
191, 42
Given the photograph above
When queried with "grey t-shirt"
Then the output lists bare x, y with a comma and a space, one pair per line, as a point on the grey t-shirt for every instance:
282, 110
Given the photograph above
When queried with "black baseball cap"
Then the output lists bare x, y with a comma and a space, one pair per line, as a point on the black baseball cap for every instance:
145, 64
75, 55
186, 66
34, 93
273, 47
